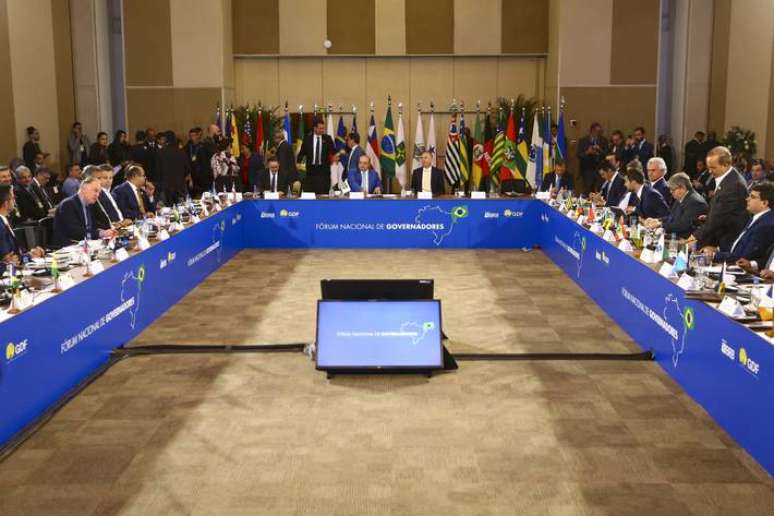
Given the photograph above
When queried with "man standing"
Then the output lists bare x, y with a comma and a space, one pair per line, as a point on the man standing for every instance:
642, 149
199, 161
354, 151
428, 178
728, 214
365, 179
686, 209
74, 221
78, 145
135, 196
757, 173
173, 169
591, 150
284, 153
250, 166
317, 149
657, 169
32, 148
694, 152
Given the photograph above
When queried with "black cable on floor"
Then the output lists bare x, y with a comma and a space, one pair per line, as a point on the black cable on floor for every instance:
155, 349
480, 357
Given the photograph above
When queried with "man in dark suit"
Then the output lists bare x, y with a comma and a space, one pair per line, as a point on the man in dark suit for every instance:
591, 150
74, 220
616, 144
728, 214
11, 250
657, 169
756, 238
135, 195
30, 206
644, 201
685, 211
173, 169
40, 187
427, 178
640, 147
558, 179
199, 161
694, 152
272, 179
614, 187
31, 150
317, 149
106, 212
366, 179
287, 160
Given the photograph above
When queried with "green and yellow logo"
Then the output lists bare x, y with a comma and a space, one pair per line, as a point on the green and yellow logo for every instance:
583, 244
688, 318
743, 356
10, 351
141, 273
428, 325
459, 212
283, 212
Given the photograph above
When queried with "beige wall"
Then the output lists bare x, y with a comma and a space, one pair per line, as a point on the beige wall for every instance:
748, 80
348, 80
585, 29
34, 72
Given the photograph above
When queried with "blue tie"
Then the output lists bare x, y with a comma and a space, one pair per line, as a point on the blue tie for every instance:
87, 219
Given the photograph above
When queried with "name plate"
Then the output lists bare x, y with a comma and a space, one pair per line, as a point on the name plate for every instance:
686, 282
121, 254
95, 267
667, 270
163, 235
195, 219
308, 195
731, 307
543, 195
478, 195
424, 195
271, 196
65, 281
143, 243
356, 195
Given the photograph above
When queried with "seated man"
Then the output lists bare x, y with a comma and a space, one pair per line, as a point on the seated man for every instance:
644, 201
427, 178
74, 220
72, 181
30, 206
686, 209
757, 236
365, 179
558, 179
107, 214
10, 249
135, 196
614, 187
6, 179
657, 169
273, 179
40, 185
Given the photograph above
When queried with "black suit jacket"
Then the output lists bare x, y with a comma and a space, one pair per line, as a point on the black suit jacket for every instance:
127, 202
287, 160
684, 215
436, 180
104, 212
565, 182
663, 188
264, 181
694, 151
307, 152
30, 207
70, 224
727, 214
650, 204
43, 195
613, 193
753, 243
172, 167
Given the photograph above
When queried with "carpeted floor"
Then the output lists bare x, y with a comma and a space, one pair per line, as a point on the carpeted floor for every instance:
267, 434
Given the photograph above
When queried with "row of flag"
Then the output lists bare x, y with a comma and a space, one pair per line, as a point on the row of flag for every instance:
496, 149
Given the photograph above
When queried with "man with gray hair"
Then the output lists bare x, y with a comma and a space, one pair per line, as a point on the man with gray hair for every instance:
657, 169
686, 209
74, 219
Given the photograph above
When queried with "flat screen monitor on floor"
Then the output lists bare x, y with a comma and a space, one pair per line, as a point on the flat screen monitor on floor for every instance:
372, 335
365, 289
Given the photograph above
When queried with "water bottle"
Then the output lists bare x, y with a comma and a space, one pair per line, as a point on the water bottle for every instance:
673, 246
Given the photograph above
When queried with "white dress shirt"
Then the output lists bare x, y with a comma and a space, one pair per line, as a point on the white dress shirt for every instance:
427, 176
113, 202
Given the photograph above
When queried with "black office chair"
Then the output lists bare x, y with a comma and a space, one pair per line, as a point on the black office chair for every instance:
30, 236
47, 224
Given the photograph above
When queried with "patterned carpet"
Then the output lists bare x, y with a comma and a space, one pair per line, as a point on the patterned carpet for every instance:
267, 434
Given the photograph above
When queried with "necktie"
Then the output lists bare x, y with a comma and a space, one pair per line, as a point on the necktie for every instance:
140, 202
364, 182
739, 238
87, 221
273, 181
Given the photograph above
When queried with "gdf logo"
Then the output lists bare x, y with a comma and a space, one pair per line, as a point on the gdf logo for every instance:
13, 351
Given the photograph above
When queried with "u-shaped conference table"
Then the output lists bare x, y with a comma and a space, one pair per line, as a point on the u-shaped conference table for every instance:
52, 347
